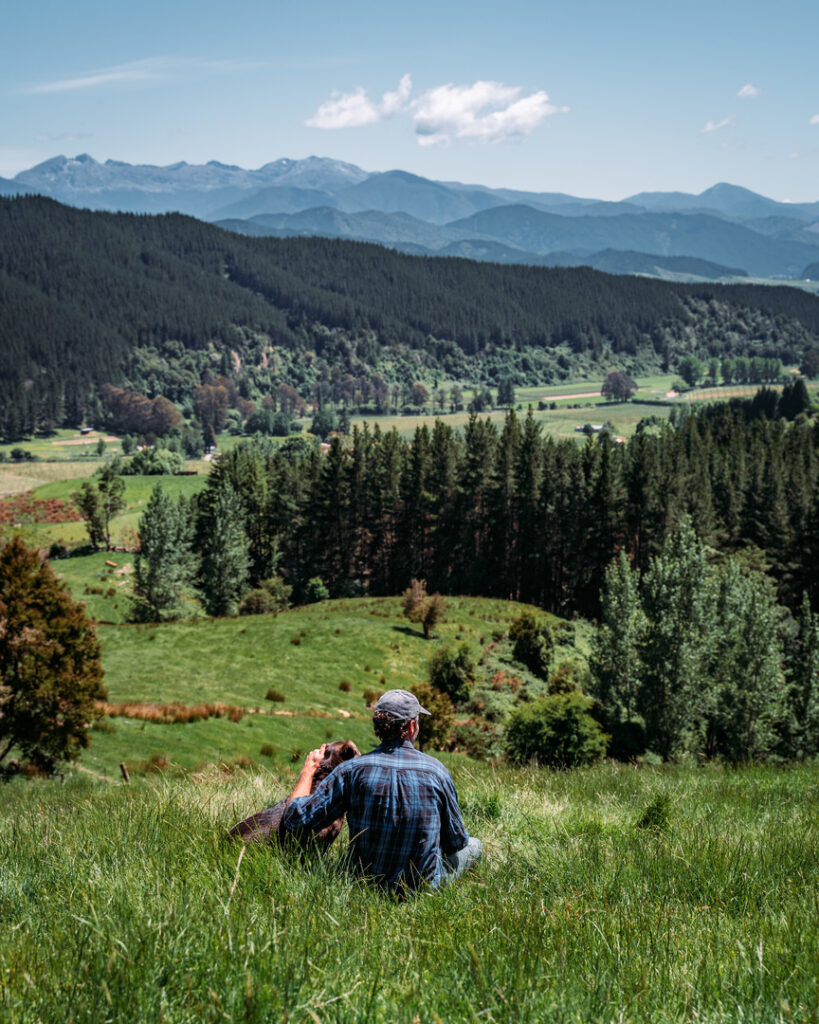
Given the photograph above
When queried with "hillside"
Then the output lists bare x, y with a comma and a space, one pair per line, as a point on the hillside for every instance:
162, 304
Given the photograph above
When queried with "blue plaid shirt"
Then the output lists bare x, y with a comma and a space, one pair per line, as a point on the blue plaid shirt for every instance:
402, 813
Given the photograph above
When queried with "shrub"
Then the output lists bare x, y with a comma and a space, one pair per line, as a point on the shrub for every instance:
344, 686
315, 590
275, 695
437, 726
372, 697
555, 731
453, 672
257, 602
267, 750
532, 644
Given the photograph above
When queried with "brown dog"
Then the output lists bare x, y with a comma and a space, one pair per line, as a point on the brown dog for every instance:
266, 825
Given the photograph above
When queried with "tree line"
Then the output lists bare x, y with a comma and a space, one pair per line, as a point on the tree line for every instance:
508, 512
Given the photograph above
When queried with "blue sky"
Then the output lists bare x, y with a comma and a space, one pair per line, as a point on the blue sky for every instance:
592, 98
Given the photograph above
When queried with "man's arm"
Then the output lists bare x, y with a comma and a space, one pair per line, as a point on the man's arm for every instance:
305, 780
308, 812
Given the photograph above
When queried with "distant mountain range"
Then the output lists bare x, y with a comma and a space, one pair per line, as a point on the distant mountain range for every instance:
725, 232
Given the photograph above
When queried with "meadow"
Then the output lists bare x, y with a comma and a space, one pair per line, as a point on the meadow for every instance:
608, 894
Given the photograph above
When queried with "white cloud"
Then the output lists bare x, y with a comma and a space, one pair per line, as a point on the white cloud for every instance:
150, 69
748, 92
354, 109
715, 126
483, 112
815, 119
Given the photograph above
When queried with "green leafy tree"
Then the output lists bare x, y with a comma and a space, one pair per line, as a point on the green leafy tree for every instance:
555, 732
419, 606
221, 539
802, 663
690, 369
677, 641
166, 565
618, 386
452, 671
50, 668
615, 664
155, 461
746, 698
98, 502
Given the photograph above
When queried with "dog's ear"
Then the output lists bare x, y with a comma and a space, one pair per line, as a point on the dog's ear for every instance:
349, 750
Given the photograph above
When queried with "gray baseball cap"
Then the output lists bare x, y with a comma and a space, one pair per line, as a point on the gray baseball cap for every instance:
400, 704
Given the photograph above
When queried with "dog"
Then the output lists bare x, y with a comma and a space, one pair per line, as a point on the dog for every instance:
265, 827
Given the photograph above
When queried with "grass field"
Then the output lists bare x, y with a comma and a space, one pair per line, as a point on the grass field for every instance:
304, 654
125, 904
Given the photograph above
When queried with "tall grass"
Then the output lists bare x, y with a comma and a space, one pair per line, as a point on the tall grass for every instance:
126, 904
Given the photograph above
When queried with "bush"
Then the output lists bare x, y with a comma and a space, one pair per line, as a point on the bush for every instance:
437, 726
275, 695
153, 462
257, 602
555, 731
453, 672
344, 686
315, 591
532, 644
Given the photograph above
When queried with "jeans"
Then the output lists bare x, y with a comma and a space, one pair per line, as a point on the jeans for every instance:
454, 864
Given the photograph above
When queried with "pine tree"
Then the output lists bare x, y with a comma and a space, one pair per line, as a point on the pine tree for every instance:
165, 565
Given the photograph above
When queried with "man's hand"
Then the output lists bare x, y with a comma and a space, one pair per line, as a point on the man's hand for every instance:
311, 763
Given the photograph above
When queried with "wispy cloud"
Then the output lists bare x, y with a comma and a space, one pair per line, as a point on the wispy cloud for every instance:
149, 70
814, 119
748, 92
482, 112
717, 126
354, 109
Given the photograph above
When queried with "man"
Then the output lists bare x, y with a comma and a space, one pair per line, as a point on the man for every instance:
402, 810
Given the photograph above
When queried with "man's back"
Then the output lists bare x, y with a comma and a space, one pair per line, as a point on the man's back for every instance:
402, 813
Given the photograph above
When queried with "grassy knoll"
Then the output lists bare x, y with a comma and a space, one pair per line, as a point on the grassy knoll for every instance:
304, 654
125, 904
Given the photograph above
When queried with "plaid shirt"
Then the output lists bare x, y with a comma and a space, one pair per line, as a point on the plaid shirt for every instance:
402, 813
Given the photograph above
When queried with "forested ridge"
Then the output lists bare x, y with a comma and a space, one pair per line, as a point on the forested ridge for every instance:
163, 304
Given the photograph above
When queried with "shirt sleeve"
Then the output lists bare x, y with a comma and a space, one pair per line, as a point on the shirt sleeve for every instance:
315, 812
454, 836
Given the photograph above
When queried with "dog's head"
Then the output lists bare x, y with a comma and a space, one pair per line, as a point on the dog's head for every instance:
334, 754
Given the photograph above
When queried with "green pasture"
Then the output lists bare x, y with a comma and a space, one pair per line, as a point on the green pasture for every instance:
126, 904
304, 654
65, 446
138, 490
